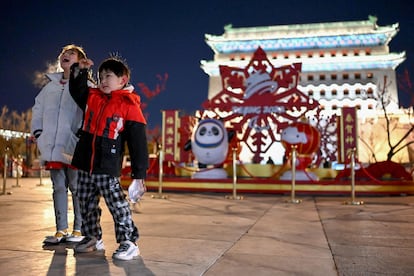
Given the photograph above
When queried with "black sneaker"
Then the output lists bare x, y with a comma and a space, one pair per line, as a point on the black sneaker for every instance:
89, 244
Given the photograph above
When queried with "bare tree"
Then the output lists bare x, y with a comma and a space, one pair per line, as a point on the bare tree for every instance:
401, 143
14, 121
369, 140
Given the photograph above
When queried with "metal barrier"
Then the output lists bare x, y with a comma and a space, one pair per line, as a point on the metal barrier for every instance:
41, 168
353, 201
234, 196
160, 173
293, 187
18, 163
4, 173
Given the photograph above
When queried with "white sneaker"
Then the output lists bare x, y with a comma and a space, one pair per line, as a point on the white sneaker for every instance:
76, 236
127, 251
59, 237
89, 244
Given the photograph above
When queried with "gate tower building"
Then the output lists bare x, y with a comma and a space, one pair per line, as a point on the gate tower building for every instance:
343, 63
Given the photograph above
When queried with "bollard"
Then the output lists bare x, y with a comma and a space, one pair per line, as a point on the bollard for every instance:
293, 186
160, 173
40, 176
234, 196
17, 178
17, 172
4, 173
353, 201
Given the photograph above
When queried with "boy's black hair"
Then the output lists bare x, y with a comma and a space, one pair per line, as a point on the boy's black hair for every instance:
116, 66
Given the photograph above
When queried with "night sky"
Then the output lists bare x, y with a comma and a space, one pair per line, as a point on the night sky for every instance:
158, 37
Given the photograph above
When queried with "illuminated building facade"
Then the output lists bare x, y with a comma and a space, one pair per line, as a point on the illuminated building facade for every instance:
343, 63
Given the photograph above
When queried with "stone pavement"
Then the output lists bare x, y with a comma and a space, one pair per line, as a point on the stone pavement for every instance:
207, 234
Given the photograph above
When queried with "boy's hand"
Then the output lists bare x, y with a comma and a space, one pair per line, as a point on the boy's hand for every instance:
136, 190
85, 63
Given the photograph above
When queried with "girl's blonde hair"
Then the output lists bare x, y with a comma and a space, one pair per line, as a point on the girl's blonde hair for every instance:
78, 49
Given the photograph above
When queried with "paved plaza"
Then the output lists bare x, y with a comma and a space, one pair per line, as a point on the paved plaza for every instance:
209, 234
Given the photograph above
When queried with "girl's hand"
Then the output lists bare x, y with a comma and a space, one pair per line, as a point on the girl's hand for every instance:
85, 63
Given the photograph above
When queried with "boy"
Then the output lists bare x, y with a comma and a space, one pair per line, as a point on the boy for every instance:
112, 116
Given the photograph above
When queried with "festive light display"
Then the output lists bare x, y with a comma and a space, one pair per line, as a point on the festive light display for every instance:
259, 98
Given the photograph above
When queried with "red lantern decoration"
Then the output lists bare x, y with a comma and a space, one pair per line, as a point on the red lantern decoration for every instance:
305, 138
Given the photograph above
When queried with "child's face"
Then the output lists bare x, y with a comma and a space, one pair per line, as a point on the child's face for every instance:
109, 82
68, 58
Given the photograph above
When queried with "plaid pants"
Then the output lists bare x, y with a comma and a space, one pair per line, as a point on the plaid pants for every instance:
90, 189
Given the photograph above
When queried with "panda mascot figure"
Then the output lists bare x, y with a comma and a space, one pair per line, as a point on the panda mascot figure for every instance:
209, 144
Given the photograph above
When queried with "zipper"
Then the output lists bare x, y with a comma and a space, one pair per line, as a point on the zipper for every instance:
58, 118
95, 133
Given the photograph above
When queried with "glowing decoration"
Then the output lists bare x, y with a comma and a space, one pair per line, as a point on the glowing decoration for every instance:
209, 143
258, 98
306, 139
360, 63
301, 43
151, 93
327, 127
159, 87
302, 135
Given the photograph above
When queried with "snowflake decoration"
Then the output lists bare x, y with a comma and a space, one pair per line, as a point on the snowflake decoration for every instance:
260, 100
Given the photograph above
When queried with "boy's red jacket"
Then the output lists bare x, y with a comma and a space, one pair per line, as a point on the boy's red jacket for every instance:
110, 121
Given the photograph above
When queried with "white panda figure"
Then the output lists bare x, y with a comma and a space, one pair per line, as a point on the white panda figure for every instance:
209, 143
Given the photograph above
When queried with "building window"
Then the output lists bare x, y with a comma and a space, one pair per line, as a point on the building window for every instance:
322, 77
334, 92
358, 91
310, 55
322, 93
368, 52
333, 54
334, 107
357, 76
358, 106
298, 55
370, 92
370, 75
356, 53
345, 76
321, 54
310, 93
286, 56
310, 77
334, 76
346, 92
344, 54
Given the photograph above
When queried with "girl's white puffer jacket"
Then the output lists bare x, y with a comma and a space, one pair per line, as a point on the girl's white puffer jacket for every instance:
56, 119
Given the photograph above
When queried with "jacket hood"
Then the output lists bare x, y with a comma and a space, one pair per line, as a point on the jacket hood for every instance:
129, 88
55, 76
126, 90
